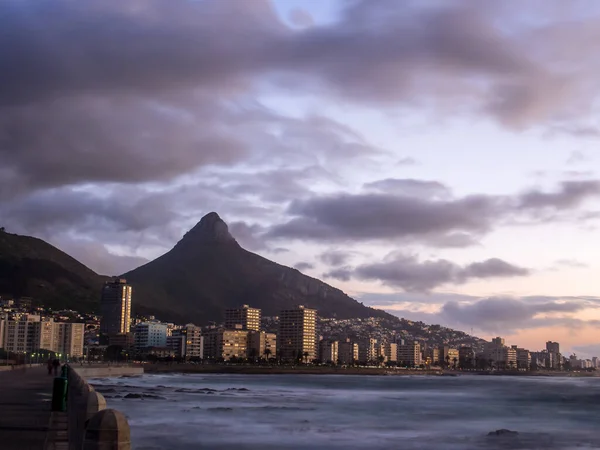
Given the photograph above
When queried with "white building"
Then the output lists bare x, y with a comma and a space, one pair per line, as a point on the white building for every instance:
68, 339
31, 332
150, 334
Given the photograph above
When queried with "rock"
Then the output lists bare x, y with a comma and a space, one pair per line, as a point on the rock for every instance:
133, 396
157, 397
503, 432
105, 390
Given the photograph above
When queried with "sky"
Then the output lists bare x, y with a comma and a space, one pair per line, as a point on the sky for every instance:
437, 159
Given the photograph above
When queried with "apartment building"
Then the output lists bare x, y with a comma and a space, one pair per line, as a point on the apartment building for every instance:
410, 354
329, 351
348, 352
262, 344
245, 316
297, 336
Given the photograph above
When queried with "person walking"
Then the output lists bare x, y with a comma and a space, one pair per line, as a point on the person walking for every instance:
49, 365
56, 365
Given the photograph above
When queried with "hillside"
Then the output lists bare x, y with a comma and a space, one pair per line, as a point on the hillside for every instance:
208, 271
30, 267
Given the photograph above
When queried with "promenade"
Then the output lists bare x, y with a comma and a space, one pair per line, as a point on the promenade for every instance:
24, 408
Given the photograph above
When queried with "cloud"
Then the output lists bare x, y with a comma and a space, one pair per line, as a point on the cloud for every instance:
410, 187
341, 273
417, 214
510, 313
335, 257
410, 274
576, 157
496, 314
573, 263
302, 266
569, 195
98, 258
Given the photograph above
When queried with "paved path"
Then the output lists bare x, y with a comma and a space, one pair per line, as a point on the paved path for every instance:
25, 396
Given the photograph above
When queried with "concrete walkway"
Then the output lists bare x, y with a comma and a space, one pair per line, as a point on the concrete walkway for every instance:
25, 396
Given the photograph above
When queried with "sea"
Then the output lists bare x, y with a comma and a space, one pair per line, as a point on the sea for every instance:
222, 411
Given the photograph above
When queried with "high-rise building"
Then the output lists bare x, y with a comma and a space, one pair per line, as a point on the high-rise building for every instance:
2, 325
21, 334
466, 357
150, 334
246, 317
501, 356
391, 352
46, 334
69, 339
554, 356
368, 351
348, 352
329, 351
176, 343
262, 345
194, 341
410, 354
297, 337
523, 358
115, 307
552, 347
447, 355
223, 344
31, 332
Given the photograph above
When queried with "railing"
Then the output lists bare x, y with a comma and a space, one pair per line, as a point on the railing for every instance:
91, 425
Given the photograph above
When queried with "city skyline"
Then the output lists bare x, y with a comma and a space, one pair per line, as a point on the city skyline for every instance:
434, 161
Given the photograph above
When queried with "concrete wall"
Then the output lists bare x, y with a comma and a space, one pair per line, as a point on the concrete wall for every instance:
20, 367
91, 425
94, 371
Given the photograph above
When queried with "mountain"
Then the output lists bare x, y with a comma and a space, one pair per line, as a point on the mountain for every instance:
30, 267
208, 271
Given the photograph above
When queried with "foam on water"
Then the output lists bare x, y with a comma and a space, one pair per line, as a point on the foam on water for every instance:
346, 412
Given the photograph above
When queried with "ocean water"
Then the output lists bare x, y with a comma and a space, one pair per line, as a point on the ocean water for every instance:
283, 412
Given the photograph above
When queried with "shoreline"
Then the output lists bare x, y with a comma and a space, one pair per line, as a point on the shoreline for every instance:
323, 370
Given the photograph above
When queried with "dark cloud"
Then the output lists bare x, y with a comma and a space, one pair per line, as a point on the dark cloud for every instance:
385, 216
449, 222
302, 266
496, 312
341, 273
410, 274
98, 258
247, 235
488, 315
335, 257
493, 267
410, 187
588, 351
569, 195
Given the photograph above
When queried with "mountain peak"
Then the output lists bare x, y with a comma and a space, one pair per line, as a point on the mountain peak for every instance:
210, 229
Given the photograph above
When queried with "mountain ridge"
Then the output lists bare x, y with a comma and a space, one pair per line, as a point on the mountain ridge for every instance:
210, 265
